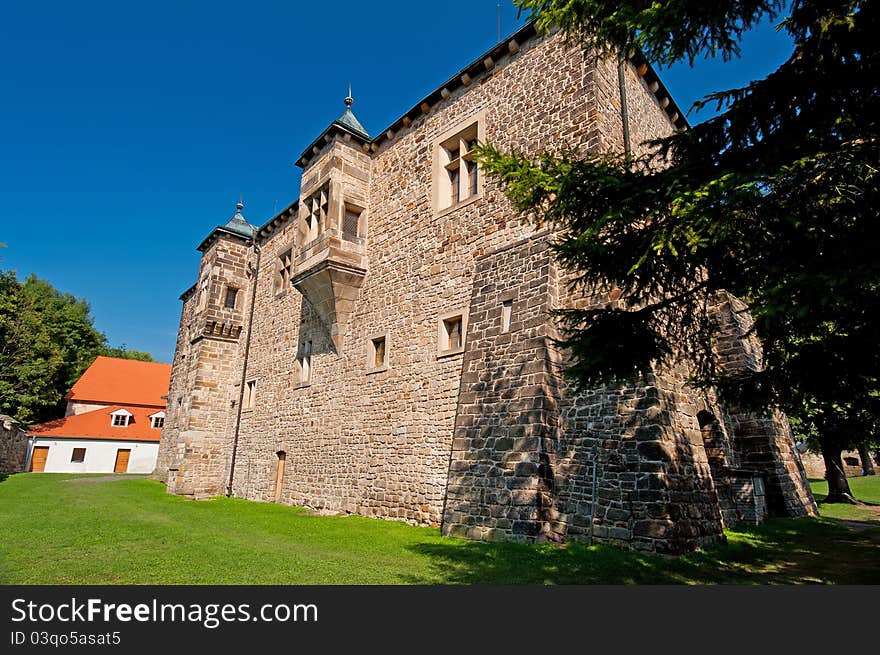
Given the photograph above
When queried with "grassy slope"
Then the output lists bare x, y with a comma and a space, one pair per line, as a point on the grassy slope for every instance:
865, 489
67, 529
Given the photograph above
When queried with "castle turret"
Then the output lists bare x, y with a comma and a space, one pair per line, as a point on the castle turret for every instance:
330, 259
195, 449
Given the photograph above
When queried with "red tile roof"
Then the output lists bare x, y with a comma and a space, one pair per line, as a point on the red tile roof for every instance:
97, 424
123, 381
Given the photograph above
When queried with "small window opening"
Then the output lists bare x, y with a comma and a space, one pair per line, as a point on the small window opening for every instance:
231, 297
78, 456
351, 223
506, 315
305, 363
453, 333
250, 394
376, 355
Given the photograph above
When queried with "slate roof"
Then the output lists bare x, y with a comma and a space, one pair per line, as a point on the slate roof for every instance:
237, 226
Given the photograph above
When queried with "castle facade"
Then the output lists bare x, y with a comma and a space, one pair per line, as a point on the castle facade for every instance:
384, 345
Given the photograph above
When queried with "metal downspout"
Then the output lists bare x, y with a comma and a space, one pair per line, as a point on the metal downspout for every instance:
247, 350
624, 110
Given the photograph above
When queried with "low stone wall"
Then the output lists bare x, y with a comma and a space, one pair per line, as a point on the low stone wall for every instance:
814, 465
13, 445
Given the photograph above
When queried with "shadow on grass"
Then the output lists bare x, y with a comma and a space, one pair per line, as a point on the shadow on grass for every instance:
800, 551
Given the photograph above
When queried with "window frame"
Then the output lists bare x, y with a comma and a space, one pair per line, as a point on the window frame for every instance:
234, 291
507, 313
73, 453
371, 352
352, 208
249, 399
443, 349
154, 421
461, 165
304, 363
120, 414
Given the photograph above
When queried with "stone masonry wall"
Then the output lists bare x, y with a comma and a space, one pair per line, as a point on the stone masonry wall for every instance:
500, 475
13, 445
762, 442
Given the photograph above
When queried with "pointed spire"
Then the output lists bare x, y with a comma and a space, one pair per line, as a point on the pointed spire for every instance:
237, 223
348, 120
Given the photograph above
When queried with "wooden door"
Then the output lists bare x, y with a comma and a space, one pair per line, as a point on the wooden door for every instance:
122, 460
38, 458
279, 474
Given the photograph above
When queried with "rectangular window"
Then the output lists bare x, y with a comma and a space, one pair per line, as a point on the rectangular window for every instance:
250, 394
454, 186
506, 315
305, 363
377, 353
472, 177
231, 296
120, 420
157, 422
351, 223
78, 456
451, 331
457, 177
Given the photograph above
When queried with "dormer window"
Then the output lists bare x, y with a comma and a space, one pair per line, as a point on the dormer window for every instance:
120, 418
157, 420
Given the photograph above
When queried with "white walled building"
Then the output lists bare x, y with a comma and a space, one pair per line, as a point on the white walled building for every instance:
114, 419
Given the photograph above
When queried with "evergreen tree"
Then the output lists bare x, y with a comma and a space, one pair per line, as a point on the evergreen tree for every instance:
775, 199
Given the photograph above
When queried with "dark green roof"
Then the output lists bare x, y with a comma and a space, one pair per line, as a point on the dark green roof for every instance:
237, 226
349, 122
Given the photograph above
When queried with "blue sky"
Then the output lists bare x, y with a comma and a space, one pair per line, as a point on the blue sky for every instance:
128, 131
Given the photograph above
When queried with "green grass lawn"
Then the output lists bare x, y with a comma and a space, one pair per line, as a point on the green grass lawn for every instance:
865, 489
63, 529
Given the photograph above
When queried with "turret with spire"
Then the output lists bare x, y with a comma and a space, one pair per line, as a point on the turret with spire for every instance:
348, 120
331, 261
347, 126
237, 226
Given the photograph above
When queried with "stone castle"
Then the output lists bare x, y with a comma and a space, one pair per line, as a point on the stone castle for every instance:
384, 346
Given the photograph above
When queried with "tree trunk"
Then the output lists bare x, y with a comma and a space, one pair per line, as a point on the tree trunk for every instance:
838, 487
867, 464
